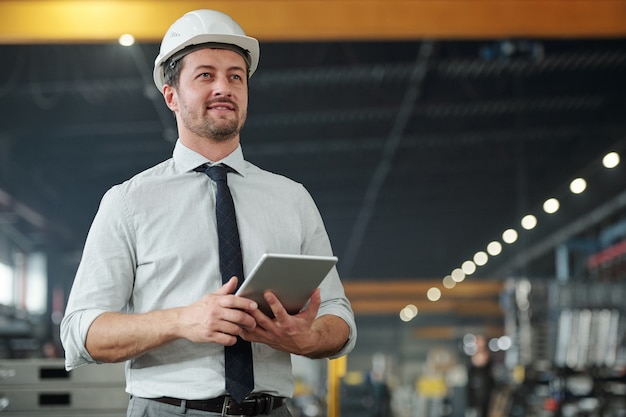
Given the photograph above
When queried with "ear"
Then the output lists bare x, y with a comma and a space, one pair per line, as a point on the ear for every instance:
171, 97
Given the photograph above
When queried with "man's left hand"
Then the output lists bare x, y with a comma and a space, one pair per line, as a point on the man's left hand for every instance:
289, 333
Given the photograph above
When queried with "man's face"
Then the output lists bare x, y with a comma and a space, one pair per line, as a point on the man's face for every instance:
212, 95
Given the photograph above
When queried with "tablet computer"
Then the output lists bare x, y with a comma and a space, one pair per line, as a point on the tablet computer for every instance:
292, 278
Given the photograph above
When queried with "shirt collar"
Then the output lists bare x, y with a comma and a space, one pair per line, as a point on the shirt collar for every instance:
186, 160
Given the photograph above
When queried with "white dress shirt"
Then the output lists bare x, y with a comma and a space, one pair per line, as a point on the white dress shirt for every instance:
153, 245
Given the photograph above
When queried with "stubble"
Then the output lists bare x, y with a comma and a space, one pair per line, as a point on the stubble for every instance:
219, 129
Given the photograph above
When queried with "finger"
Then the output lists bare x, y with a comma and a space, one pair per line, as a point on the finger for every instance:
316, 298
261, 318
227, 288
258, 334
275, 305
241, 303
239, 318
233, 328
314, 303
225, 339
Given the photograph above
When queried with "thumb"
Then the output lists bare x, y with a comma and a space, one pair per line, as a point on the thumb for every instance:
228, 288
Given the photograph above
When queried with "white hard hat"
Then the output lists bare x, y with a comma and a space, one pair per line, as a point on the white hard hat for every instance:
204, 26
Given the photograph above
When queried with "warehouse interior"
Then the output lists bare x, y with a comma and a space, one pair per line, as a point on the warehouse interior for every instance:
425, 132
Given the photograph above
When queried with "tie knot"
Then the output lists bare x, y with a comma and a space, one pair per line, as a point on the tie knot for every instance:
217, 172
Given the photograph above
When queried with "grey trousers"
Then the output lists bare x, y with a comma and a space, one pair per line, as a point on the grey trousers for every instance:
140, 407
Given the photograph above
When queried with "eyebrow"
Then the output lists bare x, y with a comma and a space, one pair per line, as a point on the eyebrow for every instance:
211, 67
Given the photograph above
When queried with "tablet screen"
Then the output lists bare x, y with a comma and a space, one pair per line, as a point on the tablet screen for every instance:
292, 278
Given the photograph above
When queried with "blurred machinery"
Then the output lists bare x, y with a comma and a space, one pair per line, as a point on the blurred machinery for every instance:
42, 387
569, 352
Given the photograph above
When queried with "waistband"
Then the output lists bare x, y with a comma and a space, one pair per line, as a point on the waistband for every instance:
226, 406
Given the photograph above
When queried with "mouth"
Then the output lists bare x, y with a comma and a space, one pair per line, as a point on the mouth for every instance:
222, 106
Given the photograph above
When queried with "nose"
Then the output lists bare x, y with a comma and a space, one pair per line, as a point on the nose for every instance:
221, 86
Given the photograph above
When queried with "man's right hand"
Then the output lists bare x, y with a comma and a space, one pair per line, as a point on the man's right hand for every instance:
218, 317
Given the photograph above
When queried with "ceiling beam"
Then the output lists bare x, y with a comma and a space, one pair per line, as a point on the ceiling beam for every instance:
418, 288
452, 308
468, 298
58, 21
453, 332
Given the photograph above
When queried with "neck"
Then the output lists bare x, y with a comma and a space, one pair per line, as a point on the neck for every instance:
211, 149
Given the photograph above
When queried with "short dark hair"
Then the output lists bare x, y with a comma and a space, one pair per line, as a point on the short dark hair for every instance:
171, 71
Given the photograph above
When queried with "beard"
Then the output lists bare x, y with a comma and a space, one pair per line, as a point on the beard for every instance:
215, 128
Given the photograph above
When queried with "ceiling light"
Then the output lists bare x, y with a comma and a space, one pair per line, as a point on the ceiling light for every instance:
480, 258
405, 315
433, 294
408, 313
458, 275
449, 282
529, 222
509, 236
494, 248
126, 39
412, 309
468, 267
551, 205
578, 185
610, 160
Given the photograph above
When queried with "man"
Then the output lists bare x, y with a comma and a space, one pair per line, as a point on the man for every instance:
149, 290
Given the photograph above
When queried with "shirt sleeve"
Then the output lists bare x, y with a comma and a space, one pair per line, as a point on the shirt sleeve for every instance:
334, 300
104, 278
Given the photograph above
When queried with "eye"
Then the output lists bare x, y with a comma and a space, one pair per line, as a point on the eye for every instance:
204, 75
236, 77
